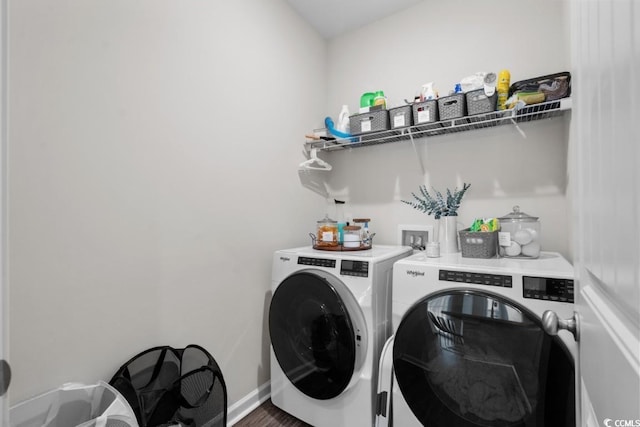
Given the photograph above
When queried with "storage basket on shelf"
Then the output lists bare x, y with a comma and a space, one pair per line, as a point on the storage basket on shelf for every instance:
373, 121
480, 244
478, 102
452, 106
400, 117
425, 114
554, 86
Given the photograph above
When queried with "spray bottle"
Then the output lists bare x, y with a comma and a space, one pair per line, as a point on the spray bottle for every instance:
427, 92
502, 87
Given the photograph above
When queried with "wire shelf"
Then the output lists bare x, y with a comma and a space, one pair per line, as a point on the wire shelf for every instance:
528, 113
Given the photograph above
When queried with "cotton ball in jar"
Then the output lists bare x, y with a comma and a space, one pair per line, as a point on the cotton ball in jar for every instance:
512, 250
523, 237
532, 250
534, 234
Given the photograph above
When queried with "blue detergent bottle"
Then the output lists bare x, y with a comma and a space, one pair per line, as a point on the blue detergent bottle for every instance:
341, 220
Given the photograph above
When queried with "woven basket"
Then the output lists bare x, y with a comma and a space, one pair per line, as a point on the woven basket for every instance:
400, 117
478, 102
373, 121
482, 244
425, 112
452, 106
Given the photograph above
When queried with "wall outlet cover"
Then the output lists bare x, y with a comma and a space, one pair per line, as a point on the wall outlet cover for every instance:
414, 235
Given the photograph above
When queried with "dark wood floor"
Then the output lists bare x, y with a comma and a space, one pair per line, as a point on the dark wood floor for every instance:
267, 415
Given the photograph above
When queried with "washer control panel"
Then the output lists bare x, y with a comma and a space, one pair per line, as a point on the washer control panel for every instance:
354, 268
547, 288
317, 262
476, 278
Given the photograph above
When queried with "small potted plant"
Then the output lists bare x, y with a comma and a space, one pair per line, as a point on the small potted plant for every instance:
440, 206
437, 205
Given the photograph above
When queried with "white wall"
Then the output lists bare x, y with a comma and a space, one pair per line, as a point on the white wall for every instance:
153, 148
442, 42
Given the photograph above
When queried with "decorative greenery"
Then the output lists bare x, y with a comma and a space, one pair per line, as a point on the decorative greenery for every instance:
437, 204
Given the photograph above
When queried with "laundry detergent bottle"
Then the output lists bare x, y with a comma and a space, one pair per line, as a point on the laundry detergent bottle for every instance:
343, 124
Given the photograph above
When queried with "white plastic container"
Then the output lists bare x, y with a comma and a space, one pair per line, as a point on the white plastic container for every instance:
344, 124
74, 405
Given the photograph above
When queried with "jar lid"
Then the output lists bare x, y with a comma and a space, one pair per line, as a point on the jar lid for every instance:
327, 219
518, 216
351, 227
361, 220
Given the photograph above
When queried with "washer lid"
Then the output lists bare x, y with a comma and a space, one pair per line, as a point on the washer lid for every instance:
468, 358
313, 336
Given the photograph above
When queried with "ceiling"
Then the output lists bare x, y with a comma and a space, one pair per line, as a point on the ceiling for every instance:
332, 18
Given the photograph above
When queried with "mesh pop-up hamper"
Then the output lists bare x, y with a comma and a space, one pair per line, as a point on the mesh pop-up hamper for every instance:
168, 386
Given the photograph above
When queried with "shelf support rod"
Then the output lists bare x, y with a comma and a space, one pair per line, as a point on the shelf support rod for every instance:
415, 149
524, 135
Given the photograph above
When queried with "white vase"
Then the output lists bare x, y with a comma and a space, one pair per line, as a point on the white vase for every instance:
448, 234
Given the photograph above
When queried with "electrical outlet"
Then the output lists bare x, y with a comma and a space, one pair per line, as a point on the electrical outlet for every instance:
415, 236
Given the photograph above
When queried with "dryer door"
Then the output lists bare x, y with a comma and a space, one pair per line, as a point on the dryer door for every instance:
466, 358
312, 335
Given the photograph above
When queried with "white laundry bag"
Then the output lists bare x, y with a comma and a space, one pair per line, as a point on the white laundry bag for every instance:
75, 405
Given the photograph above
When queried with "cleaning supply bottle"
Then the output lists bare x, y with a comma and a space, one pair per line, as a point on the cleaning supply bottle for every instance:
502, 88
343, 124
366, 102
365, 235
427, 92
341, 220
380, 99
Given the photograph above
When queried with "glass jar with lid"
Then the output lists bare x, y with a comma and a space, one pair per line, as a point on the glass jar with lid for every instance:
352, 237
519, 235
327, 232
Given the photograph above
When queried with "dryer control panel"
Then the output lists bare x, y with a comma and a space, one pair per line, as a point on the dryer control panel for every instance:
547, 288
476, 278
347, 267
354, 268
317, 262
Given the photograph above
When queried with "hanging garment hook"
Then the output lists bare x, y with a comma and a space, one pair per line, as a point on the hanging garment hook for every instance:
315, 163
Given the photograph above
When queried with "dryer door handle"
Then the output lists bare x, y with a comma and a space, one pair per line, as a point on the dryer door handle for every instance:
551, 324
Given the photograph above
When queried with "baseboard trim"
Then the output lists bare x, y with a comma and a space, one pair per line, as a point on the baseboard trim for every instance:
251, 401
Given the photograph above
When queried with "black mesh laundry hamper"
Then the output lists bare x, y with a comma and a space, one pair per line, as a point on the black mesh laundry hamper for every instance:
168, 386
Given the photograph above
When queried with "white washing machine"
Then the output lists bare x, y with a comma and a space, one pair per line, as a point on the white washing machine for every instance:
469, 348
329, 318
